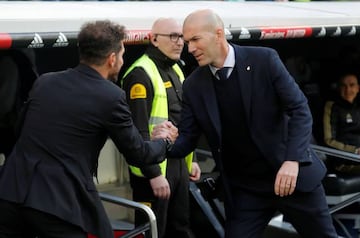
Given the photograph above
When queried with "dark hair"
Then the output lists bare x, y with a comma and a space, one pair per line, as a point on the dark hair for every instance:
97, 40
346, 74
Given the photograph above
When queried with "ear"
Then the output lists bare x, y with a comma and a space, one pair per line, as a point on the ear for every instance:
111, 60
153, 39
220, 33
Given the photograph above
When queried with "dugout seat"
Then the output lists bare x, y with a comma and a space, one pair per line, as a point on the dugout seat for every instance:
342, 190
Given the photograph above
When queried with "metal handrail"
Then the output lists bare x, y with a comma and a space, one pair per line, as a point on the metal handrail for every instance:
202, 152
151, 225
335, 152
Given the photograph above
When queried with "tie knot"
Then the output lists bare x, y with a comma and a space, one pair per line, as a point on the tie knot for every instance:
222, 73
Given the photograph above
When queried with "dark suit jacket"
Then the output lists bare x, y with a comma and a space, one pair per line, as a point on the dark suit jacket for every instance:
69, 116
277, 114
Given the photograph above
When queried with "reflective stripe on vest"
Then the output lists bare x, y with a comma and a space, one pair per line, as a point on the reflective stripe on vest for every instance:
159, 110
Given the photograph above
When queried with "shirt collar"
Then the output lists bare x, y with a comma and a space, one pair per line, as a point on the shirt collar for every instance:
229, 60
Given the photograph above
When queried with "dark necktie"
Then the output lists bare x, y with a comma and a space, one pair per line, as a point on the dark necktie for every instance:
222, 73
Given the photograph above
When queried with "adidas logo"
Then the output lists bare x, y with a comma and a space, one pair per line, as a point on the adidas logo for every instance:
37, 42
322, 32
61, 41
352, 32
337, 32
244, 33
228, 34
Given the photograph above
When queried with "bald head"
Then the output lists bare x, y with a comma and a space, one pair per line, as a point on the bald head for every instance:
164, 25
207, 18
166, 35
205, 36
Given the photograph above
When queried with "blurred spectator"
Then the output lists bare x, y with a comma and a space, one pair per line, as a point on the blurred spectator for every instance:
342, 122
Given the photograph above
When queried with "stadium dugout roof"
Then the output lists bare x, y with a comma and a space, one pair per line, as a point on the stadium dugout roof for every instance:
37, 24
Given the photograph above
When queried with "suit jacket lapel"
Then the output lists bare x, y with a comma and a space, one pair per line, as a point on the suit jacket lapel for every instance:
210, 100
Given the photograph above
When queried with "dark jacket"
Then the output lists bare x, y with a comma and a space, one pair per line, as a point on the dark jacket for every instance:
70, 114
342, 125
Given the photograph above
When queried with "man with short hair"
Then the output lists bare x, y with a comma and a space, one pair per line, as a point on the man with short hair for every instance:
46, 185
342, 123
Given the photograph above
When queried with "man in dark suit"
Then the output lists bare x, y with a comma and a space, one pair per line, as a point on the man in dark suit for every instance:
46, 185
258, 125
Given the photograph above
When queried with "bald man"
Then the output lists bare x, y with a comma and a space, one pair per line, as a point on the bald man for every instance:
258, 125
153, 89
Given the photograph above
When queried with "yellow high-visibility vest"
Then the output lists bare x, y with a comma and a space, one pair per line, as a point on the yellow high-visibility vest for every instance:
159, 111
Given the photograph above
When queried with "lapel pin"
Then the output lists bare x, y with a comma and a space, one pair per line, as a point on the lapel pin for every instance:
248, 68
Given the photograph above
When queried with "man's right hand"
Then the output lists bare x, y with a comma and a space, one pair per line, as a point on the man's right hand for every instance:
165, 130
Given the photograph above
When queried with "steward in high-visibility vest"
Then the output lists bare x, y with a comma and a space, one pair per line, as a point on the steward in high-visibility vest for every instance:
159, 111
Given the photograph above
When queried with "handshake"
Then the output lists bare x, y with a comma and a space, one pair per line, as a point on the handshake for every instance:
165, 130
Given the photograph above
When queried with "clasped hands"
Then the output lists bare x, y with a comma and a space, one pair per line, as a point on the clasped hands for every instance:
165, 130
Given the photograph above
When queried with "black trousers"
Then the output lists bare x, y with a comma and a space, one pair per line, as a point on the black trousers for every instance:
251, 212
17, 221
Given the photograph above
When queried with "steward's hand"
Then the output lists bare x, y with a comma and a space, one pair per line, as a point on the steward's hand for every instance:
195, 172
160, 187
